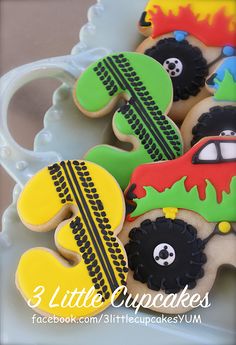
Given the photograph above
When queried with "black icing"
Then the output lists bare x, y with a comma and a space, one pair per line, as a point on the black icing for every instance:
186, 269
215, 122
130, 195
116, 72
90, 225
211, 80
143, 22
195, 70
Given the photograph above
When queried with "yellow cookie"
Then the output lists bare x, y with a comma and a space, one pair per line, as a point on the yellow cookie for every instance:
86, 205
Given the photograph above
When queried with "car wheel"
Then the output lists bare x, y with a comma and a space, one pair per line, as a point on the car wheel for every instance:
184, 63
218, 121
166, 254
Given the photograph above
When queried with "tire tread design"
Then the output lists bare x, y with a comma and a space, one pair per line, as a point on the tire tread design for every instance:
82, 237
213, 122
189, 83
186, 269
168, 145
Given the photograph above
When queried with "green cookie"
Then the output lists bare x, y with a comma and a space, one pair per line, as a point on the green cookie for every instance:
147, 89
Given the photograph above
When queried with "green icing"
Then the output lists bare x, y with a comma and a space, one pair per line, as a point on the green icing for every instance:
148, 87
154, 77
93, 95
178, 197
90, 92
118, 162
226, 88
122, 125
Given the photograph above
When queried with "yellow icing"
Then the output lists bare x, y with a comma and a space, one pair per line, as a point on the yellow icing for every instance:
224, 227
201, 7
36, 208
39, 203
170, 212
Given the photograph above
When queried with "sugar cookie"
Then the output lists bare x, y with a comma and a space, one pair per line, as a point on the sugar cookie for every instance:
141, 121
214, 115
183, 221
188, 38
92, 257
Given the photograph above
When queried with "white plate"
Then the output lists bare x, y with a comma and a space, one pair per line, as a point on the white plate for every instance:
112, 25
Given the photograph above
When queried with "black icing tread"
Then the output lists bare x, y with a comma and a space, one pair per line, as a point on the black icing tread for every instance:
107, 80
101, 216
89, 256
196, 73
158, 120
82, 236
187, 267
60, 183
213, 122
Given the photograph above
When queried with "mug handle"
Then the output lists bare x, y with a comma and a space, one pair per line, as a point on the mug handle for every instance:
19, 162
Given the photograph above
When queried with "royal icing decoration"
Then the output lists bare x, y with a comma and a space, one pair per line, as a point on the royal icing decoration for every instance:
203, 180
219, 117
147, 89
214, 24
218, 120
198, 32
168, 254
93, 260
223, 82
185, 64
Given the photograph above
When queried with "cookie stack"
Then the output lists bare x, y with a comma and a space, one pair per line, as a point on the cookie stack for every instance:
156, 217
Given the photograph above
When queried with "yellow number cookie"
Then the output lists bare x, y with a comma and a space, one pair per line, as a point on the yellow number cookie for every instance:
86, 205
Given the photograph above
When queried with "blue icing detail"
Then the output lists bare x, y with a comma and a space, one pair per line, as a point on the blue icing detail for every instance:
228, 64
180, 35
228, 51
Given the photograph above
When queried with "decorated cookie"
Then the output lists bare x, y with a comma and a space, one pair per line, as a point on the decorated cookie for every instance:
214, 115
78, 280
182, 224
146, 88
188, 37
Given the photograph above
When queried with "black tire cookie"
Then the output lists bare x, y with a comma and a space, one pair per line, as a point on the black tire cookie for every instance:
185, 64
219, 120
166, 254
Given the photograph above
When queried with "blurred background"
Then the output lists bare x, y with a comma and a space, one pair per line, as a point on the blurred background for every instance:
32, 30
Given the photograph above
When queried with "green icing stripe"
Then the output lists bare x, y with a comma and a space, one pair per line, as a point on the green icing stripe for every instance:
178, 197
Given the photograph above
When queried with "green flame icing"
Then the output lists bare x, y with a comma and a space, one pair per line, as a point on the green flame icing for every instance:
178, 197
227, 88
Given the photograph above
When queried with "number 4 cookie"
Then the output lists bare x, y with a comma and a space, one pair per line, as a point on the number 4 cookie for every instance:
146, 88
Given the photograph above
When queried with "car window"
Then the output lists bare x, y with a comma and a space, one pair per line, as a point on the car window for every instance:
208, 153
228, 150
